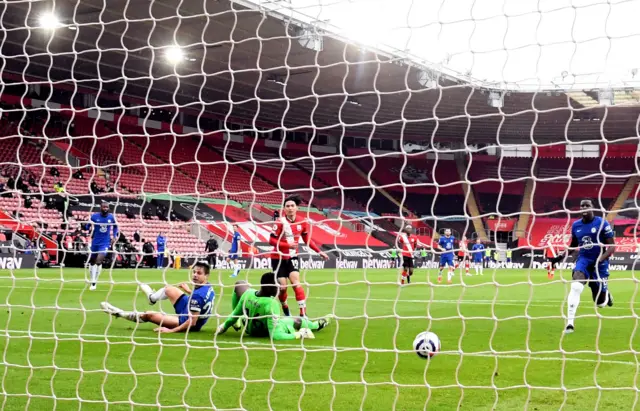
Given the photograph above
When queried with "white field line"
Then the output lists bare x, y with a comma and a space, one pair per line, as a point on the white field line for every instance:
287, 347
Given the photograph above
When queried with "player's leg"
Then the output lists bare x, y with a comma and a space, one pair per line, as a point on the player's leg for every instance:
580, 275
551, 268
443, 264
168, 292
410, 273
95, 266
404, 270
279, 267
298, 290
599, 285
160, 260
466, 265
160, 319
450, 273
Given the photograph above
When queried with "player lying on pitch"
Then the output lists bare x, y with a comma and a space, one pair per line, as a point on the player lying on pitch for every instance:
258, 312
192, 309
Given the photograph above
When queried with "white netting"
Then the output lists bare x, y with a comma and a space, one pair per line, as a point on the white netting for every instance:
194, 120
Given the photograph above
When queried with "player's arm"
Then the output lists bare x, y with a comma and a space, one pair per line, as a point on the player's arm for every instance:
306, 237
574, 249
233, 317
609, 243
92, 226
195, 306
115, 230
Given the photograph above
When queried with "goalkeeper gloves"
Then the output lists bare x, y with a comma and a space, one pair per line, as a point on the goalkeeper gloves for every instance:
304, 333
220, 330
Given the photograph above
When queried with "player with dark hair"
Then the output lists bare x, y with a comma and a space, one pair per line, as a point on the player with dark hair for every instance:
192, 307
463, 256
409, 245
103, 233
286, 235
446, 245
258, 313
235, 251
478, 253
592, 238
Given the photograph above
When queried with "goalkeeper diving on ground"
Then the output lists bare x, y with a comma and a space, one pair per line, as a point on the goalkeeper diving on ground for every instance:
257, 312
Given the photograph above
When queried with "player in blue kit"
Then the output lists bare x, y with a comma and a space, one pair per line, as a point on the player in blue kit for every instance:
192, 307
234, 251
102, 226
446, 245
592, 238
478, 253
161, 243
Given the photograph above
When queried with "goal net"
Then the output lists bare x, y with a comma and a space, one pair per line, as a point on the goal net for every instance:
481, 125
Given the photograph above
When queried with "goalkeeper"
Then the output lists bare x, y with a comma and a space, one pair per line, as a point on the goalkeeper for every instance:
259, 313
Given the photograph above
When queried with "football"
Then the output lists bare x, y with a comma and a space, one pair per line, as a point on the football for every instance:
426, 344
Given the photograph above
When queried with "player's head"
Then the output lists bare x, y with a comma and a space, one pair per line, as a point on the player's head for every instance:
200, 272
478, 241
235, 227
269, 285
291, 204
408, 229
586, 208
447, 232
104, 208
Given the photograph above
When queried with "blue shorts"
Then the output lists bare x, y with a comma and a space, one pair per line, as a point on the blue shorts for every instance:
182, 309
233, 256
99, 248
446, 259
588, 267
477, 259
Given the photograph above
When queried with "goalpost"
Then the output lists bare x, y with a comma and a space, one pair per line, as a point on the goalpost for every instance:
492, 120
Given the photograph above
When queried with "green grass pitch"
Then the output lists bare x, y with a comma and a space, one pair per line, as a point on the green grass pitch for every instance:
501, 335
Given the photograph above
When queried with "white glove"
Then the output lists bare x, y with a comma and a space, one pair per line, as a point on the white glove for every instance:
220, 329
305, 333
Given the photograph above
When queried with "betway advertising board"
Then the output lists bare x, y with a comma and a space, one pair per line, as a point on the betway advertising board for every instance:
15, 262
534, 259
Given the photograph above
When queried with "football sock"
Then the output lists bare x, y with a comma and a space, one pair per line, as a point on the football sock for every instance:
93, 274
301, 299
158, 296
283, 300
573, 301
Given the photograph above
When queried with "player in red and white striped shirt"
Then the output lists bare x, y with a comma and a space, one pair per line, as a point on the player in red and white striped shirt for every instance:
409, 244
553, 254
285, 238
463, 256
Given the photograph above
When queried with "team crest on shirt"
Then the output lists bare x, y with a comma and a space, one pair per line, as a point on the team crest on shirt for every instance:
299, 227
593, 230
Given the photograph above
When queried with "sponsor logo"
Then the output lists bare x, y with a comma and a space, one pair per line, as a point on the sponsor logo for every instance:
312, 264
346, 264
10, 263
378, 263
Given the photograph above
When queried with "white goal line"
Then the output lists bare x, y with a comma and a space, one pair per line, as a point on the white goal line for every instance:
306, 348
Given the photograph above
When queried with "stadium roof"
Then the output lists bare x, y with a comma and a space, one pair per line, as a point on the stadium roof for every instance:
523, 45
245, 63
